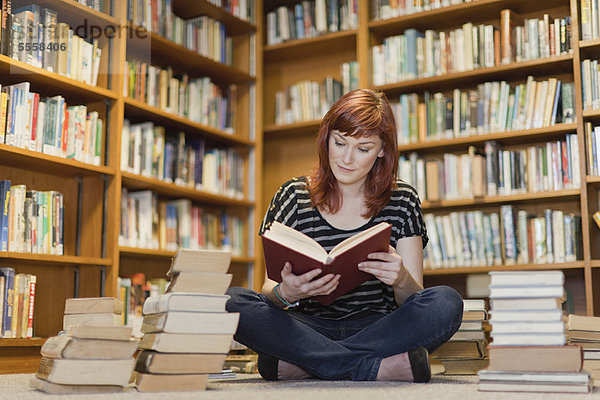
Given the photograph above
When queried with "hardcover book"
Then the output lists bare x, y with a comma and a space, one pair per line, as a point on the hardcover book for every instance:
186, 343
282, 243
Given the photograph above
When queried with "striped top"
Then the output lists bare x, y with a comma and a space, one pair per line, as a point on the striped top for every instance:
291, 206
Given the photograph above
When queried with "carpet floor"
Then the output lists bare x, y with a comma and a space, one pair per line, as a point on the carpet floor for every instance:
253, 387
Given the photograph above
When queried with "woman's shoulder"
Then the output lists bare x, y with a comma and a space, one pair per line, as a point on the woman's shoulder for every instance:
404, 191
293, 186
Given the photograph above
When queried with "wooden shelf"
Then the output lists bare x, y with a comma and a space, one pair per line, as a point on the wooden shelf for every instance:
595, 263
522, 198
299, 48
544, 66
593, 180
144, 112
591, 113
55, 259
172, 190
484, 269
50, 83
74, 13
189, 9
589, 44
298, 128
33, 160
512, 137
137, 252
167, 53
456, 15
32, 342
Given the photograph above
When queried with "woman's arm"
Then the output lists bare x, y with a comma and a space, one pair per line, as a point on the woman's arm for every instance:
410, 249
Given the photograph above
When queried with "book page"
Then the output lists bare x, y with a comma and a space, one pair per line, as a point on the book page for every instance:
353, 240
296, 240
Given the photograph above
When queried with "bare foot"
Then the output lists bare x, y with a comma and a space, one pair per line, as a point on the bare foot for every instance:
395, 368
287, 371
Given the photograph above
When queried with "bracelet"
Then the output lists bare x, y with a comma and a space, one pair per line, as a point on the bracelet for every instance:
285, 302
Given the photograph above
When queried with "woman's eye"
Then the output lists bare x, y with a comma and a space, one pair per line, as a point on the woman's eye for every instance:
339, 144
363, 150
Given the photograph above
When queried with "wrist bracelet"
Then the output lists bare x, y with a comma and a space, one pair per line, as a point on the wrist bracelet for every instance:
285, 302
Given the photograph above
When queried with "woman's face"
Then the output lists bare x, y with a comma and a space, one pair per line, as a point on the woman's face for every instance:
351, 158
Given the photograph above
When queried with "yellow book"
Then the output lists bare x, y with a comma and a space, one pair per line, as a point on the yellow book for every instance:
596, 218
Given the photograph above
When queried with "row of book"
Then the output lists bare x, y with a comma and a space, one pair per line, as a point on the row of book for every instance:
92, 354
465, 353
492, 107
477, 238
199, 100
31, 221
147, 151
414, 55
529, 351
385, 9
497, 172
309, 19
133, 291
147, 222
590, 84
192, 310
49, 125
158, 16
35, 36
590, 19
310, 100
17, 301
97, 5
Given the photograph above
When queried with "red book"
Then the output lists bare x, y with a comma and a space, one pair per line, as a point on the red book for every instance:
32, 283
282, 243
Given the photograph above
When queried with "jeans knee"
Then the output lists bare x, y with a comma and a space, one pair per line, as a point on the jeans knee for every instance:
238, 297
451, 304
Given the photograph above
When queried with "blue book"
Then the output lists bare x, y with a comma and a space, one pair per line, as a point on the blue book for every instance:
411, 35
299, 13
4, 201
9, 294
556, 102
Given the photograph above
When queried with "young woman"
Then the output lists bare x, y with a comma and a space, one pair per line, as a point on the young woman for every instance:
383, 329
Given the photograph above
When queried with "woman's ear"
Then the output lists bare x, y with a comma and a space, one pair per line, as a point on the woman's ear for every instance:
381, 152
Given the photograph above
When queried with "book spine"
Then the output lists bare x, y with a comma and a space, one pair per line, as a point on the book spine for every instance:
32, 285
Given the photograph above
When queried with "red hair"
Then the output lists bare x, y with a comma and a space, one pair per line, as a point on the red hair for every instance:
359, 113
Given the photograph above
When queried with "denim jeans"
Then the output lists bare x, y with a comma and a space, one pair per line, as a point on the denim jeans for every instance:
346, 349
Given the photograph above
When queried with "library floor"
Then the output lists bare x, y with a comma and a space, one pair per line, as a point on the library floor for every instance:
253, 387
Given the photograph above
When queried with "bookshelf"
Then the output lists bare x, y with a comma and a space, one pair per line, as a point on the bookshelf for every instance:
93, 258
290, 149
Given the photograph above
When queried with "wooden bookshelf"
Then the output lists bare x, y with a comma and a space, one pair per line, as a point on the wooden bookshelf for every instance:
290, 150
92, 258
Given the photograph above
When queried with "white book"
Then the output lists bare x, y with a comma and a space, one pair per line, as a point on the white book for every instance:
526, 292
532, 304
546, 377
191, 322
526, 315
527, 278
528, 339
195, 302
527, 327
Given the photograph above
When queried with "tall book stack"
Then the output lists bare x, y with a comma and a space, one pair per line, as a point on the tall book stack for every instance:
94, 355
187, 331
528, 352
585, 332
465, 352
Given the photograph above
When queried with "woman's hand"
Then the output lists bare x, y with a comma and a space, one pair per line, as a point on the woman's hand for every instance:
387, 267
296, 287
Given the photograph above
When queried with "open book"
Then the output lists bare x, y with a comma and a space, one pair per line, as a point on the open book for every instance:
282, 243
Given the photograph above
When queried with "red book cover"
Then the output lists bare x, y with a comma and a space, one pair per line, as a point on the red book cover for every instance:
565, 163
344, 260
34, 119
32, 283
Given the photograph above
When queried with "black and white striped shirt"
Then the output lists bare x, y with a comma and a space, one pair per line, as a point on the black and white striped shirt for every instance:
291, 206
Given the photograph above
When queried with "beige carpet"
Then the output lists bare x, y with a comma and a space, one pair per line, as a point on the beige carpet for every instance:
252, 387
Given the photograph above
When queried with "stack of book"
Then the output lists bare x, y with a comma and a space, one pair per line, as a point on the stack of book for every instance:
585, 332
187, 331
465, 352
94, 355
528, 352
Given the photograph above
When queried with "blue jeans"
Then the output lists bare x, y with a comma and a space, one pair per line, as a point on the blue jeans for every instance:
346, 349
